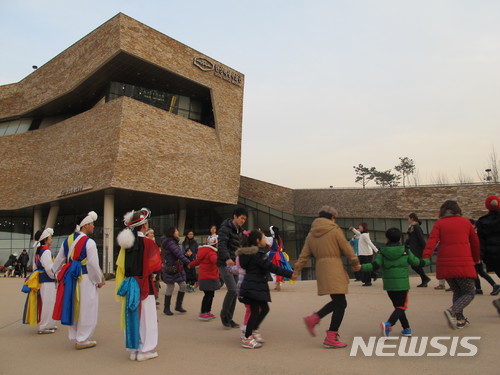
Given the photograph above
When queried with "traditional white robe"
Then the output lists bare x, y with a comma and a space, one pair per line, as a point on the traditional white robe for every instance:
47, 293
84, 328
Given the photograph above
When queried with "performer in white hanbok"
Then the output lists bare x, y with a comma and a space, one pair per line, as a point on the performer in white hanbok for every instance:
77, 269
138, 262
40, 305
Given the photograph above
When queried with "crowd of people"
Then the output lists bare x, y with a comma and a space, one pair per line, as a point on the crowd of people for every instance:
66, 289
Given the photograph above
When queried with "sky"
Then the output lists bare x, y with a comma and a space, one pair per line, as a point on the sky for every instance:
328, 84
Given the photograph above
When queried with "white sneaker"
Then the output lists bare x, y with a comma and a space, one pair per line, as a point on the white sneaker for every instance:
451, 319
145, 356
258, 337
250, 343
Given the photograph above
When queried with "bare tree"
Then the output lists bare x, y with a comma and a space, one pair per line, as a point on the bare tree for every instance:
463, 179
493, 166
490, 174
440, 179
415, 178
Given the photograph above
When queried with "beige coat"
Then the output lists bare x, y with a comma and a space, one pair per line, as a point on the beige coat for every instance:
326, 243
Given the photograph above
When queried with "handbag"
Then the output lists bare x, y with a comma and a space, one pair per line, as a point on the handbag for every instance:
172, 269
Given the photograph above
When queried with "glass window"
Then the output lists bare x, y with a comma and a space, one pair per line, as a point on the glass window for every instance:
276, 213
12, 128
24, 125
379, 225
393, 223
250, 203
183, 106
3, 128
195, 110
262, 208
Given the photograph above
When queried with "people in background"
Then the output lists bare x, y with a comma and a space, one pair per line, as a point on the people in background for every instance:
173, 270
190, 248
415, 241
23, 261
488, 231
366, 249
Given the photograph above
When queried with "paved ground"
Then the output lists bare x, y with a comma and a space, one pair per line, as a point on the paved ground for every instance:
188, 346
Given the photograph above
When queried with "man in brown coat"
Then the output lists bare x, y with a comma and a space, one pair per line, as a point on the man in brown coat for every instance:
326, 242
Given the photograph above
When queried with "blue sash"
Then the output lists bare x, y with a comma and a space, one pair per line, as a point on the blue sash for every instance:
132, 293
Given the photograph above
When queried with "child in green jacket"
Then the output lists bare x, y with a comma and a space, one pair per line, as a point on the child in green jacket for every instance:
394, 259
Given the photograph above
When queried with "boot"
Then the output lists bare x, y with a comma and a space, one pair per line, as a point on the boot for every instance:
332, 341
166, 308
178, 303
311, 322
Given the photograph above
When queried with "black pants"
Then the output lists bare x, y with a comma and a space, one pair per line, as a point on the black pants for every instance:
481, 272
366, 277
24, 269
337, 307
258, 311
420, 271
399, 300
206, 302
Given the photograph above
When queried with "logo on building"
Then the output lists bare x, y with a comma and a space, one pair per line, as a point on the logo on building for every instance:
415, 346
219, 70
203, 64
74, 190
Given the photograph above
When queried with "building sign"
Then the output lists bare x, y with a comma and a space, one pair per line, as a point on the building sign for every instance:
219, 70
73, 190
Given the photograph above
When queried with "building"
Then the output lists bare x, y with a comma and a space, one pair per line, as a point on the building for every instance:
128, 118
124, 118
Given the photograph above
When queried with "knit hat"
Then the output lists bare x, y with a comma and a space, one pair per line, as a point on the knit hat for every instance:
492, 203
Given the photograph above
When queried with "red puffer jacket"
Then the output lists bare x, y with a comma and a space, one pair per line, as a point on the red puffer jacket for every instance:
458, 248
207, 260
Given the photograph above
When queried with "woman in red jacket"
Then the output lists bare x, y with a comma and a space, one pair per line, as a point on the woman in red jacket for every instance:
208, 278
458, 253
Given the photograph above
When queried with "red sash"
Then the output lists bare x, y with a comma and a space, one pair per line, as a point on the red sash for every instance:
56, 315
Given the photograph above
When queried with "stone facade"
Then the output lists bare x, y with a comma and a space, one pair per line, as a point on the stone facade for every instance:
370, 203
123, 143
278, 197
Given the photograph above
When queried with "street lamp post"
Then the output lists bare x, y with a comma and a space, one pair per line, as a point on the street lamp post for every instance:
488, 177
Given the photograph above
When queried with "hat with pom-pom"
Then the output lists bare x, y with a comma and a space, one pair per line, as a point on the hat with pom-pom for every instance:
492, 203
134, 219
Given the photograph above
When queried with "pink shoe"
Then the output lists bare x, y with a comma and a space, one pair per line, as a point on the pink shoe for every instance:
210, 315
311, 322
332, 341
204, 316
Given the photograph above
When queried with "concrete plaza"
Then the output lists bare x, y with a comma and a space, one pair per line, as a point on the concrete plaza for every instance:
189, 346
